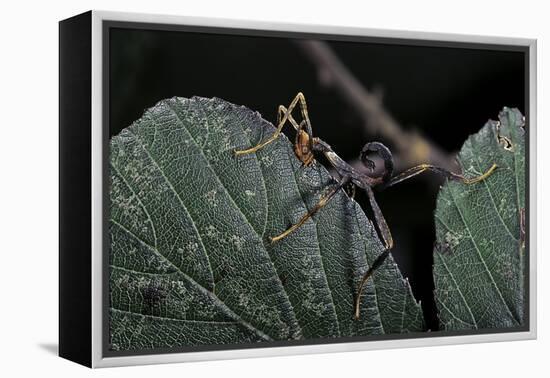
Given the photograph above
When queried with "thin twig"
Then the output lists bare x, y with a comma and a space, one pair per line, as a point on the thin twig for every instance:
412, 148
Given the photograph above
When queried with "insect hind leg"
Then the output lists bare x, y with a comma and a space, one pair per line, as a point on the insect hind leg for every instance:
386, 237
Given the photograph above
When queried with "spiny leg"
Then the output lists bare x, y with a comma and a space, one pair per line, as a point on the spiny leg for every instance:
323, 201
411, 172
388, 244
281, 122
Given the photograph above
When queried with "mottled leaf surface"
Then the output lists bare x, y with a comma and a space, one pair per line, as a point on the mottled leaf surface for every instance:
190, 260
479, 254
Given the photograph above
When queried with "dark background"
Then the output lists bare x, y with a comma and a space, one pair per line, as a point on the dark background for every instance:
446, 93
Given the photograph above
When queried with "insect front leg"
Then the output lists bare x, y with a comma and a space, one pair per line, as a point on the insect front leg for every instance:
281, 111
281, 120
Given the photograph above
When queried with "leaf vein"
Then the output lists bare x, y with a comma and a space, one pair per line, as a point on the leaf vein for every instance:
486, 185
172, 319
180, 201
139, 200
481, 256
223, 306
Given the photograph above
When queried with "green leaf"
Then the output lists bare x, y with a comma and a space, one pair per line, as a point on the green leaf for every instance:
479, 254
190, 260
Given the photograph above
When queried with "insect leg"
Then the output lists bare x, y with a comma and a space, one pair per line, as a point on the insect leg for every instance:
281, 111
388, 243
281, 122
304, 112
381, 222
411, 172
323, 201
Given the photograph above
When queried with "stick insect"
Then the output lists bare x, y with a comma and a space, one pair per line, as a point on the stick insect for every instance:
305, 148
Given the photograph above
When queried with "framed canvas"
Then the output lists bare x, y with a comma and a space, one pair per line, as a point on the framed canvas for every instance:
235, 189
